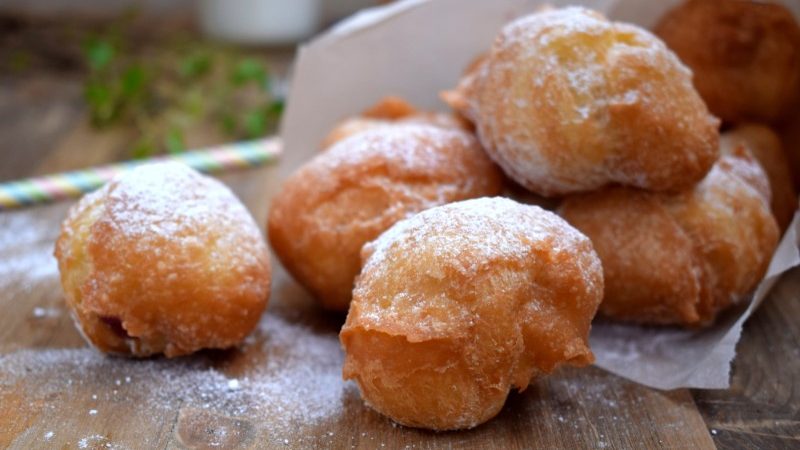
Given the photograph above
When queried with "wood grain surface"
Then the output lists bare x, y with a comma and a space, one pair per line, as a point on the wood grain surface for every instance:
56, 393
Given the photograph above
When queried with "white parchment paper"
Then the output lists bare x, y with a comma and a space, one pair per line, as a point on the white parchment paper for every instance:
417, 48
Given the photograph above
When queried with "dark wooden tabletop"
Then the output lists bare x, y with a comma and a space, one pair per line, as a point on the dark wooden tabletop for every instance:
43, 129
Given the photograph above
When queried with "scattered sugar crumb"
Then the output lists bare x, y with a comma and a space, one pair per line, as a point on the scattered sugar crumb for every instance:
45, 313
93, 441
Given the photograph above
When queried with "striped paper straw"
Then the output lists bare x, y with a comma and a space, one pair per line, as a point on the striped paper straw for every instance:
48, 188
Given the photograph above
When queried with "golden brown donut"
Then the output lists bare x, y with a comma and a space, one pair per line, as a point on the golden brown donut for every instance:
163, 260
766, 147
680, 259
461, 303
349, 194
745, 55
390, 110
567, 101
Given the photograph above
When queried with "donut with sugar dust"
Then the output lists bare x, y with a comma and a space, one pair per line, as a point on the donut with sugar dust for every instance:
349, 194
461, 303
164, 260
567, 101
681, 259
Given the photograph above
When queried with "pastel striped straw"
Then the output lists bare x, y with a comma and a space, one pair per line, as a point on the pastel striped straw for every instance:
49, 188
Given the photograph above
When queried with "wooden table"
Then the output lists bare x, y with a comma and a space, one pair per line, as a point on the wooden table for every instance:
56, 393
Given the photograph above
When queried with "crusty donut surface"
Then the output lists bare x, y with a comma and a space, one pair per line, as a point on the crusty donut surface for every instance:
461, 303
163, 260
681, 259
567, 101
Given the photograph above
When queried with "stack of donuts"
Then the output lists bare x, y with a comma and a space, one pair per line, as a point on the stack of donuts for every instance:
457, 288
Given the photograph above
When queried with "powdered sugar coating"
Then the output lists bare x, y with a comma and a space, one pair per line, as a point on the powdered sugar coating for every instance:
406, 146
169, 200
567, 101
460, 303
163, 259
468, 238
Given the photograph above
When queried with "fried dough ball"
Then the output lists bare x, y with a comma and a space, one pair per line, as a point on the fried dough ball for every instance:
163, 260
388, 111
680, 259
567, 101
745, 55
766, 147
461, 303
349, 194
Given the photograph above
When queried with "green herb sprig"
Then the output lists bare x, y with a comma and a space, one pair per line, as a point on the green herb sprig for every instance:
164, 92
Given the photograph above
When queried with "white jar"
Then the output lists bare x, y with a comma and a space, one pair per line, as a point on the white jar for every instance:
260, 21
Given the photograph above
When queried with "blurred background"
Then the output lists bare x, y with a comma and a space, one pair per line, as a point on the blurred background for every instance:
122, 79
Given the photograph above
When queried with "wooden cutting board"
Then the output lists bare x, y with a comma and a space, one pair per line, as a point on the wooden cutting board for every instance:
283, 388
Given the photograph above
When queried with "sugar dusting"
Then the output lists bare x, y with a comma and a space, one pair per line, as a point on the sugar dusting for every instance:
170, 201
409, 137
494, 228
39, 312
26, 247
468, 238
410, 154
292, 378
477, 225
